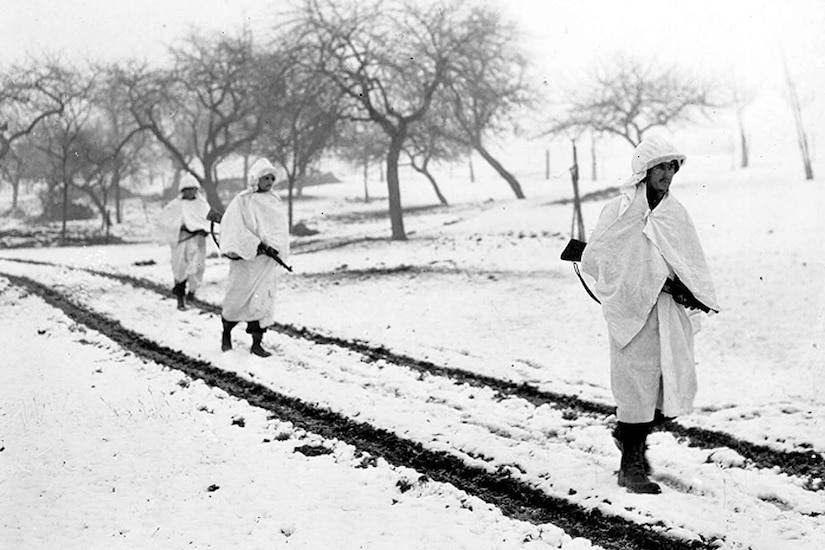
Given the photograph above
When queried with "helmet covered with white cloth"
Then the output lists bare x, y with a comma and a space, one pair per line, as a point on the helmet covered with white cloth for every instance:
260, 168
188, 182
651, 151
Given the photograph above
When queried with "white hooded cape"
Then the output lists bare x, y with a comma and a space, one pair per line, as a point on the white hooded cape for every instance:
188, 251
253, 218
183, 213
630, 254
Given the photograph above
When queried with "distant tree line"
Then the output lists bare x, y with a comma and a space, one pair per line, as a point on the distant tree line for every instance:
369, 81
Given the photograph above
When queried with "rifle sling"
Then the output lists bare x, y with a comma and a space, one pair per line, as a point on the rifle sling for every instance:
587, 288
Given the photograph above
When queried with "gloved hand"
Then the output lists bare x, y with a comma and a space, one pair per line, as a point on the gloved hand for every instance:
681, 294
267, 250
214, 216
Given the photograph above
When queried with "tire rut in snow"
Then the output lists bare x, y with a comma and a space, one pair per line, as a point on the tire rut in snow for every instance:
514, 498
808, 465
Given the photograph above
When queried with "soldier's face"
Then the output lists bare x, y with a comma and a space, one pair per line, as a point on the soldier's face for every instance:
265, 183
660, 176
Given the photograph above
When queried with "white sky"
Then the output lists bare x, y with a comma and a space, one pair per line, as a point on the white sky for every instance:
741, 38
741, 34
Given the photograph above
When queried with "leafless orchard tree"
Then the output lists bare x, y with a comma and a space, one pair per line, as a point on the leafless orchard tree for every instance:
389, 58
30, 93
86, 148
431, 141
801, 135
486, 85
62, 143
205, 105
299, 116
124, 146
17, 168
362, 144
740, 97
626, 98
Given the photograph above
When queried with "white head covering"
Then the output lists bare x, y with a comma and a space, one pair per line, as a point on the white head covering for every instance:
260, 168
188, 182
651, 151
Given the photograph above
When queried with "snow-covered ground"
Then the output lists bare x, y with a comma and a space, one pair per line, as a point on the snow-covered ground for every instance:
103, 449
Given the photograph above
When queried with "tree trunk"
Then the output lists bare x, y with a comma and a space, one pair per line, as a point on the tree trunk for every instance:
472, 172
745, 155
290, 184
577, 225
424, 170
299, 186
508, 177
743, 140
802, 138
393, 188
15, 191
366, 187
441, 198
210, 187
65, 209
593, 163
547, 164
245, 168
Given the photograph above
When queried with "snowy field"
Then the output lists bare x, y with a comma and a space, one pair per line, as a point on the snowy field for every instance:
103, 447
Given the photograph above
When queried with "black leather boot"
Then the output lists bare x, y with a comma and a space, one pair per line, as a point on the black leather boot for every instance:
179, 290
226, 335
254, 328
620, 446
632, 475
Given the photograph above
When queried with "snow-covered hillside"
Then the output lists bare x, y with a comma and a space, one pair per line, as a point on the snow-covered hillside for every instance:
106, 444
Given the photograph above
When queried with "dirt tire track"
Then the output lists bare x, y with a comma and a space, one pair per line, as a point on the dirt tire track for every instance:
514, 498
808, 465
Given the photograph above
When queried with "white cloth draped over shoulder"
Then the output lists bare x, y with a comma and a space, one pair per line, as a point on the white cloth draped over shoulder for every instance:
630, 254
250, 219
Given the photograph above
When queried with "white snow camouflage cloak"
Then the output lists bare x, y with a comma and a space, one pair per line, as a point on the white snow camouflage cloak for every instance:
250, 219
631, 252
179, 221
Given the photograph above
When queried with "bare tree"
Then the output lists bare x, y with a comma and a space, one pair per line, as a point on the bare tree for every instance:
801, 136
29, 94
740, 97
487, 88
83, 151
206, 105
62, 142
18, 167
431, 141
362, 144
300, 115
627, 98
389, 59
124, 144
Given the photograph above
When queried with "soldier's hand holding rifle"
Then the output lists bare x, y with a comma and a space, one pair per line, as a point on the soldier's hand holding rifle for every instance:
272, 253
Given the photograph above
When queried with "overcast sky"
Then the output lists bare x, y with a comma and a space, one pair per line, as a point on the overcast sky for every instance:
743, 34
742, 38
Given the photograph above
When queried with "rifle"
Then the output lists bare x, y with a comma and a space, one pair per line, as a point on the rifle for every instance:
675, 287
682, 295
215, 217
272, 253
